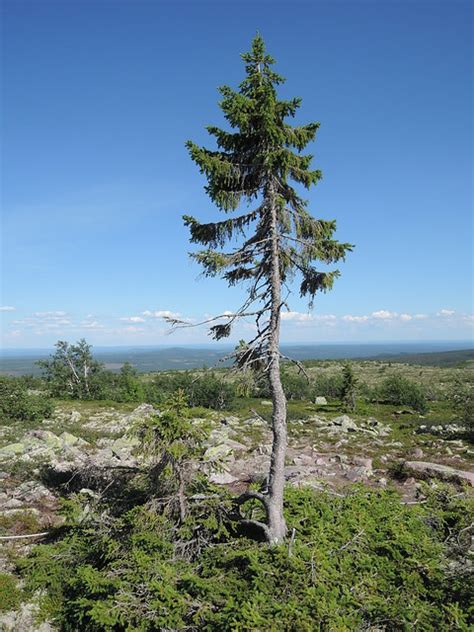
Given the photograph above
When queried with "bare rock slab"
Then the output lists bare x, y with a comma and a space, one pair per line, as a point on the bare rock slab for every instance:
423, 469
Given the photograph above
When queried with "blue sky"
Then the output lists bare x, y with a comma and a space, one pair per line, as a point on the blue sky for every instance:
99, 98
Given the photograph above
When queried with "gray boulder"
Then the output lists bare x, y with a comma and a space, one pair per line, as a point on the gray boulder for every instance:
423, 469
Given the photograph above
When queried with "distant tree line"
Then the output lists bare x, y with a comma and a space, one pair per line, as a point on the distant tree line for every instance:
72, 372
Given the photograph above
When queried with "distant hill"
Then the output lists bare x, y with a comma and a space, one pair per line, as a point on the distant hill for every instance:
461, 357
148, 359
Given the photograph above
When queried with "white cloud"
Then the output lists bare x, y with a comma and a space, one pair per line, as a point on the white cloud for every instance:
384, 314
161, 314
296, 316
90, 325
307, 317
446, 312
406, 317
355, 319
420, 316
7, 308
133, 319
59, 314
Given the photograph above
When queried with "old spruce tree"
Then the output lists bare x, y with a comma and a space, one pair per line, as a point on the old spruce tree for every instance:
274, 239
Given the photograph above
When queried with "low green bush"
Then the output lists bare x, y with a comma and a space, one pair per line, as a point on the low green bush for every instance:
360, 562
461, 396
207, 390
401, 391
327, 386
295, 385
16, 403
10, 594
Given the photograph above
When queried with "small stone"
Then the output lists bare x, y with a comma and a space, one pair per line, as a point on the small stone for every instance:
47, 437
418, 453
303, 459
363, 462
218, 452
320, 401
355, 474
222, 478
345, 423
13, 503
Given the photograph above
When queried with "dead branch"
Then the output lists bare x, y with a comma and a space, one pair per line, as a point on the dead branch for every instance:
29, 535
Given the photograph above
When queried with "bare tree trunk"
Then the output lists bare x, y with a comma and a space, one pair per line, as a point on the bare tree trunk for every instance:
276, 482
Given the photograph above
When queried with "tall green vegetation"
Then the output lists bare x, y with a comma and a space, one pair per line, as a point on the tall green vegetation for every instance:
72, 371
255, 162
349, 388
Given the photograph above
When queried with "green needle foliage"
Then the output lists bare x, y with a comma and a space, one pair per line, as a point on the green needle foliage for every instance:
349, 387
255, 163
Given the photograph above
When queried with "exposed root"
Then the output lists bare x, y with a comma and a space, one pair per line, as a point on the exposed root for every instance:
254, 526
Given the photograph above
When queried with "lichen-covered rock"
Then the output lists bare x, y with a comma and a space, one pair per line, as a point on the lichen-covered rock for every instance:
344, 424
11, 450
69, 439
24, 620
222, 478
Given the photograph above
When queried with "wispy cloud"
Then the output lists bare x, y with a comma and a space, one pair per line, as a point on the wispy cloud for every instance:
133, 319
7, 308
58, 314
149, 327
307, 317
161, 313
296, 316
90, 324
355, 319
384, 314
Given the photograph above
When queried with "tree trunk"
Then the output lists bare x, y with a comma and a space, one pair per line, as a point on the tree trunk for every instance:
276, 480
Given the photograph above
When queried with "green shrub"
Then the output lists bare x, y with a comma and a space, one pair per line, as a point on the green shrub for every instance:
327, 386
349, 388
461, 396
10, 594
354, 563
399, 390
208, 390
17, 404
295, 385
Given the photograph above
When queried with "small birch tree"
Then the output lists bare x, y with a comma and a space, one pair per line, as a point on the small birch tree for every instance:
254, 163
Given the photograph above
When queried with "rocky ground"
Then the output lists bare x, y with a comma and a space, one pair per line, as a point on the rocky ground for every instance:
328, 450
